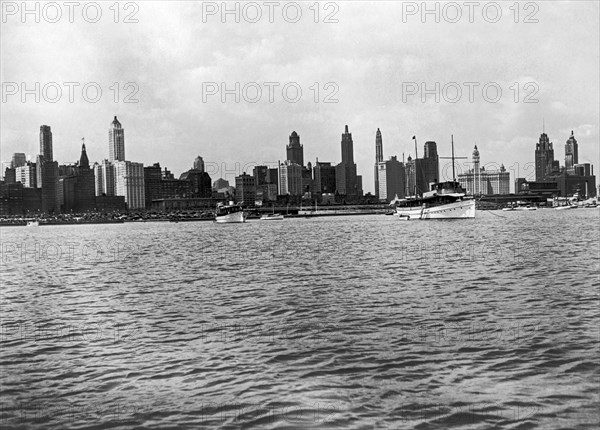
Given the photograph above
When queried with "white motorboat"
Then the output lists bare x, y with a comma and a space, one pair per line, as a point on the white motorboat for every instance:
230, 213
445, 200
33, 223
271, 217
565, 207
438, 204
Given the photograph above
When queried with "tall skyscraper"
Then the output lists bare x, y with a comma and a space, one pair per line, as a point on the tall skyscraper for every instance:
199, 164
116, 141
295, 151
345, 172
429, 167
544, 158
47, 170
571, 153
46, 143
378, 159
347, 147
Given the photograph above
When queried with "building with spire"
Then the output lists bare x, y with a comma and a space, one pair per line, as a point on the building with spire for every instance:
378, 159
294, 150
345, 172
571, 154
544, 158
116, 141
479, 181
75, 192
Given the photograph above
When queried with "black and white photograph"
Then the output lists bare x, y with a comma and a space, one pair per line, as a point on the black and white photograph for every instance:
300, 215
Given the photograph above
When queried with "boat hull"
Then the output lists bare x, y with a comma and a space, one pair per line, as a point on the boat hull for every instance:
457, 210
271, 217
236, 217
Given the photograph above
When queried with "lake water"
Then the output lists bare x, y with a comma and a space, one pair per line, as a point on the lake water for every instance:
345, 322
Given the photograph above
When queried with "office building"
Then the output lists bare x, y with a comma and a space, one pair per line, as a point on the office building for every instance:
544, 158
378, 159
129, 183
392, 179
294, 150
27, 174
116, 141
245, 189
571, 154
345, 172
478, 181
290, 178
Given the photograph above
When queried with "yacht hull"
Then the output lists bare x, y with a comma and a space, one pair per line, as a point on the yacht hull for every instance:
236, 217
455, 210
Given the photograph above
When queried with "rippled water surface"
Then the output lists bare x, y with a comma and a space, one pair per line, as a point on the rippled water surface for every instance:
342, 322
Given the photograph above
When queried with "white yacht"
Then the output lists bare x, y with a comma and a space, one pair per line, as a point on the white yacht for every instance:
230, 213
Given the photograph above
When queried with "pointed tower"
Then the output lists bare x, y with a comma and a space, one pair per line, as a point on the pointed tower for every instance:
544, 158
84, 162
571, 153
378, 159
476, 172
116, 141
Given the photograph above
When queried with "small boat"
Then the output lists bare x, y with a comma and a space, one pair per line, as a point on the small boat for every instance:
565, 207
510, 208
525, 208
33, 223
271, 217
230, 213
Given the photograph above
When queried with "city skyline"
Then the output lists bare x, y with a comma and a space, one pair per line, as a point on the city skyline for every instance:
170, 122
246, 166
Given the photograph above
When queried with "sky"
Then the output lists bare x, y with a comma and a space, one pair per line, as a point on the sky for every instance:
367, 65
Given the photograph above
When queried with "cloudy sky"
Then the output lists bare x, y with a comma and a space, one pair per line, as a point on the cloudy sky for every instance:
367, 65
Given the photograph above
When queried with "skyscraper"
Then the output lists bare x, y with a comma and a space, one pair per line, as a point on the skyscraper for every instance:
544, 158
199, 164
47, 170
295, 151
46, 143
116, 141
345, 172
129, 182
378, 159
392, 179
428, 167
18, 160
290, 178
324, 177
571, 153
